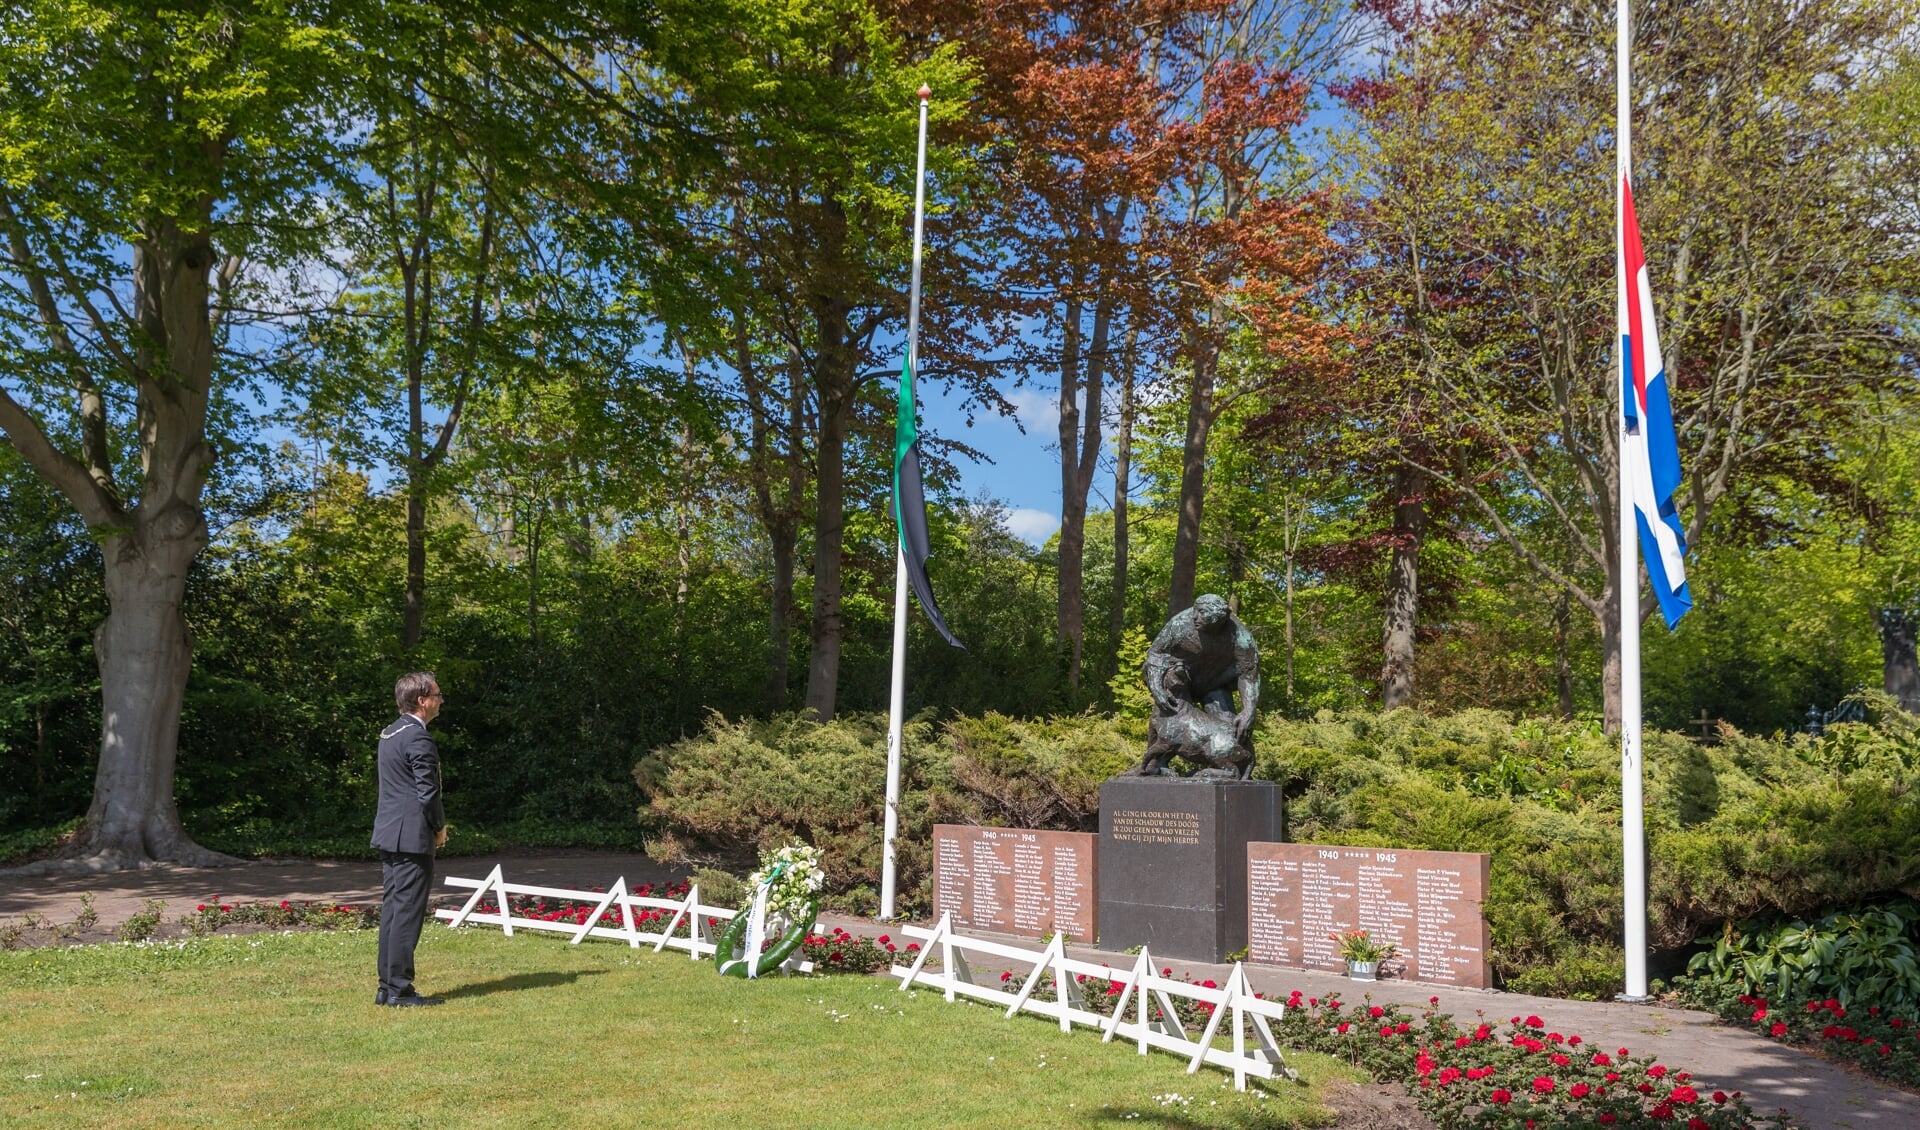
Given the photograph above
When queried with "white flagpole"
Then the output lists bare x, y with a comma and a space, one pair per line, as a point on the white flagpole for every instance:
1633, 842
896, 703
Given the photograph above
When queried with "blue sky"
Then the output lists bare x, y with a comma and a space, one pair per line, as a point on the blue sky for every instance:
1025, 472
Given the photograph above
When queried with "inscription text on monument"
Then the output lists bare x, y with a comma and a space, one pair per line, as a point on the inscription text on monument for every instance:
1427, 903
1016, 880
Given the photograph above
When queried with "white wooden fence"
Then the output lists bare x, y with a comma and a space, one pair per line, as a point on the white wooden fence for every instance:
1234, 1005
697, 941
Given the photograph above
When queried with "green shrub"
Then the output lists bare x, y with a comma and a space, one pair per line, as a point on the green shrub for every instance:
140, 927
18, 847
1864, 958
1738, 830
720, 888
721, 797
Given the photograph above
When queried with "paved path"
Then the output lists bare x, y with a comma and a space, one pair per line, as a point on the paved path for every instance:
1819, 1094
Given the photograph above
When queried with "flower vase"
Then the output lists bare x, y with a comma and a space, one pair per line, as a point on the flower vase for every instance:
1362, 970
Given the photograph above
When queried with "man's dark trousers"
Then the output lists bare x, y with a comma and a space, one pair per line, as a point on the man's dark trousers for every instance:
406, 878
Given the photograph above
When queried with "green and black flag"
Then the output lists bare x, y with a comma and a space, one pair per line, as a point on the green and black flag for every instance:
910, 502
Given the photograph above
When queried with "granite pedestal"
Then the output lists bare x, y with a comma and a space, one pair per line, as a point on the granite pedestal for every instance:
1173, 862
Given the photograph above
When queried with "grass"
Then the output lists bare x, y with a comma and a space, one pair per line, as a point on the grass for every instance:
277, 1029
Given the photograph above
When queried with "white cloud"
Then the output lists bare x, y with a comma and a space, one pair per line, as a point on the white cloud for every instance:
1039, 412
1032, 526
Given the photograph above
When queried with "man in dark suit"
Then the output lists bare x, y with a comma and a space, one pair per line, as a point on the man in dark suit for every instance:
408, 826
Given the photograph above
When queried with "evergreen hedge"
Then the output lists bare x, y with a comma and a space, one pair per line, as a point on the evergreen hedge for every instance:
1739, 827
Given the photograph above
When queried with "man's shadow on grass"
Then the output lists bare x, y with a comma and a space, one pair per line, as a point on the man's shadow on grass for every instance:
518, 982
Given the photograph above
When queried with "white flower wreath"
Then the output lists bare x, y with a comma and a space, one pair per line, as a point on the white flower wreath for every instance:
793, 876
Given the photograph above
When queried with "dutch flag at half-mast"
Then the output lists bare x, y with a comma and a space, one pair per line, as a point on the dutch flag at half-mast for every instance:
1650, 457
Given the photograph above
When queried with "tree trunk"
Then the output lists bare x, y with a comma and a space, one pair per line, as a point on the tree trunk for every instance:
414, 614
829, 525
144, 655
1290, 645
1403, 588
1122, 471
533, 572
1081, 372
1900, 667
780, 622
1610, 669
1562, 654
1193, 477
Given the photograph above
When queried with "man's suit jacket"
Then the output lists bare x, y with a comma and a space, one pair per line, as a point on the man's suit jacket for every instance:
409, 816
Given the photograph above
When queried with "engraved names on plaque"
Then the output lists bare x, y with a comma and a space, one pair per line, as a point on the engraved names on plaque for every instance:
1016, 880
1428, 903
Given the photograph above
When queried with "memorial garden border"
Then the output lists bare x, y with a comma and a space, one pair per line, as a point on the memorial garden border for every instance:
1248, 1013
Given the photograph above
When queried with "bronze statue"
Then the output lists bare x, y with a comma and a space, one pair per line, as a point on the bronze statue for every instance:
1194, 667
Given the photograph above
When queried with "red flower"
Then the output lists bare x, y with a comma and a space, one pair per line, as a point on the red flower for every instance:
1462, 1041
1759, 1014
1719, 1096
1579, 1090
1559, 1060
1543, 1085
884, 939
1779, 1028
1483, 1033
913, 947
1685, 1096
1208, 985
1501, 1095
1403, 1027
1613, 1076
1004, 977
1608, 1120
1535, 1022
1376, 1011
1698, 1123
1656, 1071
1433, 1000
202, 906
1573, 1041
1386, 1033
1663, 1112
1342, 1027
834, 956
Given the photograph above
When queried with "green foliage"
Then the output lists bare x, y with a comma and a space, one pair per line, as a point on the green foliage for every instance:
740, 787
14, 846
1739, 828
1862, 958
139, 927
720, 888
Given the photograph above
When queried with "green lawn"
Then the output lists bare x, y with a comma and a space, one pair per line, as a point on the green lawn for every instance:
281, 1030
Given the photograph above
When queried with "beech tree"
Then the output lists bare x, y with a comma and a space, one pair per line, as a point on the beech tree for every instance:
1072, 95
151, 157
811, 116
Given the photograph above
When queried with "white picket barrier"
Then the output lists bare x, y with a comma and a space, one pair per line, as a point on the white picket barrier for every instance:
1234, 1004
697, 942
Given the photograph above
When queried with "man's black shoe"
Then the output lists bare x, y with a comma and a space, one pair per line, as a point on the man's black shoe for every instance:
412, 1000
380, 997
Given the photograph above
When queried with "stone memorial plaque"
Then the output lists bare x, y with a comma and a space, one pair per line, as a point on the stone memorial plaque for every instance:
1016, 880
1173, 859
1428, 903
